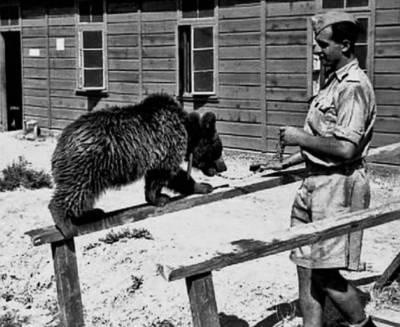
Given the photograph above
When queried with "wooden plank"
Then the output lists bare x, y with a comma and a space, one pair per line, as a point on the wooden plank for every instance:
240, 92
235, 115
159, 76
123, 87
234, 12
125, 28
158, 27
239, 103
289, 23
159, 64
239, 25
240, 129
239, 52
387, 4
242, 142
239, 79
62, 31
386, 81
286, 94
122, 41
165, 39
123, 76
286, 51
391, 273
286, 38
387, 124
123, 64
136, 213
387, 17
123, 53
286, 80
387, 33
249, 249
287, 106
203, 305
388, 97
287, 66
159, 52
237, 39
387, 65
290, 8
67, 281
239, 66
387, 49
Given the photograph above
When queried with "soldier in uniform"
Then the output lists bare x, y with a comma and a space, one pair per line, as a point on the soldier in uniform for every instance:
333, 143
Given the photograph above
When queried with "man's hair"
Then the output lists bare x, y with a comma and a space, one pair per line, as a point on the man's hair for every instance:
345, 31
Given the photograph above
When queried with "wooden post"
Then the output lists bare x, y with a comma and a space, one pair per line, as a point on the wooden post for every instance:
202, 300
67, 280
391, 273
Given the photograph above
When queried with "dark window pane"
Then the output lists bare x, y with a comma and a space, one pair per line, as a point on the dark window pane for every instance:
332, 3
84, 12
4, 17
92, 40
97, 11
203, 59
357, 3
362, 37
13, 12
93, 58
203, 81
203, 37
93, 78
206, 8
189, 9
361, 54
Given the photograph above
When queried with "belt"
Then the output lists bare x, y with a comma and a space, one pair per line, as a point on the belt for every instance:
344, 169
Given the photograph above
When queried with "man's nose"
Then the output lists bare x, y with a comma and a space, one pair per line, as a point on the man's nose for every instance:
317, 49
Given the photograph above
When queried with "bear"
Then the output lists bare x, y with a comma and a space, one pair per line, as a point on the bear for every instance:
115, 146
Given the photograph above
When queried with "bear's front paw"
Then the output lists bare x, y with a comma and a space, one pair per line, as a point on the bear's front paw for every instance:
202, 188
162, 200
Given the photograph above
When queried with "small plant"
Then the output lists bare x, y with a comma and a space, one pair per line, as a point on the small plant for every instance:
137, 282
163, 323
113, 237
18, 174
388, 297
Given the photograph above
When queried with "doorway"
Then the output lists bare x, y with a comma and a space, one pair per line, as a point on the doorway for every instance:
11, 86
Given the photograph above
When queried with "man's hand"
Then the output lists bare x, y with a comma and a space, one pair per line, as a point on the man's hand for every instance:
272, 164
291, 135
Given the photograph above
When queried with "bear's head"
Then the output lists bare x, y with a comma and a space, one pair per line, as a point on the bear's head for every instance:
204, 143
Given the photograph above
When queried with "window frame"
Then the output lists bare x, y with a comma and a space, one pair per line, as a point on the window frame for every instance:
17, 26
200, 22
359, 12
82, 27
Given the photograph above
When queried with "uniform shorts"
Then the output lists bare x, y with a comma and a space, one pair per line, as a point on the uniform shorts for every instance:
324, 195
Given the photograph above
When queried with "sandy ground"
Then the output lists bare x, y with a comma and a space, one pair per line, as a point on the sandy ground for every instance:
247, 294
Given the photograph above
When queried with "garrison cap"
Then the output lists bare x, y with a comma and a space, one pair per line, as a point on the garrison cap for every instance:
320, 21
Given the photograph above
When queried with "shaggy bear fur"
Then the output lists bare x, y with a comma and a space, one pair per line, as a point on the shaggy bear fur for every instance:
116, 146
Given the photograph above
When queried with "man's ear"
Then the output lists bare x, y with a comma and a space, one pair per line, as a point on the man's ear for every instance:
346, 46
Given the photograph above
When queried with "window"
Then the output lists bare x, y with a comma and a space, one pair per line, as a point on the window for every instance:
91, 36
329, 4
197, 55
9, 16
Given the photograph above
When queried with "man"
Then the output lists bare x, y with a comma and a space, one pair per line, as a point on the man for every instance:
333, 143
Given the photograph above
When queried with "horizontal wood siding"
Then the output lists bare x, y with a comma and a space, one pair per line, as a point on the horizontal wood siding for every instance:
387, 72
239, 108
123, 46
286, 65
159, 66
35, 70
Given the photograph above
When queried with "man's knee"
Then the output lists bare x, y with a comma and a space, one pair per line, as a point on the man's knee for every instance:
329, 279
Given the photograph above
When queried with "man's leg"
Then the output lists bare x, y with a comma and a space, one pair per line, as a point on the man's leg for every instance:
311, 299
344, 295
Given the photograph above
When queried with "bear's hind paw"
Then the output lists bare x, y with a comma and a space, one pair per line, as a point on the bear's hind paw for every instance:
202, 188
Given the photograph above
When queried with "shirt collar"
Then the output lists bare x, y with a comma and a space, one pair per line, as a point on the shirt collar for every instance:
342, 72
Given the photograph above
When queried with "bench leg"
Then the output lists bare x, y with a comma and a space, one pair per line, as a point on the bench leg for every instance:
67, 281
202, 300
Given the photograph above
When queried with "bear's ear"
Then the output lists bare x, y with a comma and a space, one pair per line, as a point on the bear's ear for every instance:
208, 121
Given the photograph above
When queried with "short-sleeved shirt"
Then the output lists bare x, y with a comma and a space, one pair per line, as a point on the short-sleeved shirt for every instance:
344, 108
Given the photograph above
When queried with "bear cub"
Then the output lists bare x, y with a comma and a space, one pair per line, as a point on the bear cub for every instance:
113, 147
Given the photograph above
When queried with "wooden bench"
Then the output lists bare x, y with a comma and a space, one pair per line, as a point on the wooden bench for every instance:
64, 254
197, 268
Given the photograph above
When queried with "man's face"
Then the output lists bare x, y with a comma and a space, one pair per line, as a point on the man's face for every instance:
328, 50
